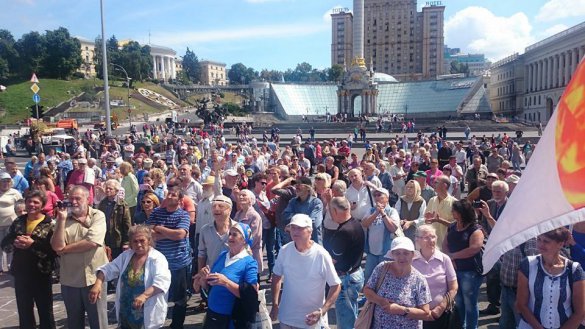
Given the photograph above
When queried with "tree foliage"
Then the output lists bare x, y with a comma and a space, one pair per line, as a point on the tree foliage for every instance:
32, 49
8, 55
63, 54
191, 66
239, 74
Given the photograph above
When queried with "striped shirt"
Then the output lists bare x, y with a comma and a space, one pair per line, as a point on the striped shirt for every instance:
550, 295
177, 252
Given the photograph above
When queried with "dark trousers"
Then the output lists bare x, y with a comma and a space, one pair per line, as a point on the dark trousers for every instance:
31, 289
178, 295
493, 287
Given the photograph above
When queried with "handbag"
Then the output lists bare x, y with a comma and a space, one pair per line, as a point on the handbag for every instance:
364, 319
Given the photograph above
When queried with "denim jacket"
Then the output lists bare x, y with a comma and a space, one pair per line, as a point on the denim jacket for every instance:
388, 236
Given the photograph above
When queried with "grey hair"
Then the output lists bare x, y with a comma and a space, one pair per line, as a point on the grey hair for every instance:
113, 183
81, 188
502, 184
339, 186
141, 229
340, 203
250, 196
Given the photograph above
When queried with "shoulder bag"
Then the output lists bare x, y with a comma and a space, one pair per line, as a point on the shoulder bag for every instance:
364, 319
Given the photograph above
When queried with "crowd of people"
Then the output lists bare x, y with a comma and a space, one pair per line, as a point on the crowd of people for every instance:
196, 221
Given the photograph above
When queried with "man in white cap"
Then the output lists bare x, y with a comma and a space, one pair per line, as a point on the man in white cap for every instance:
512, 181
306, 267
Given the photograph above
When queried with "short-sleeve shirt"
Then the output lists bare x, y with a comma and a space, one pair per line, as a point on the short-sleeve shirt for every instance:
438, 271
78, 269
221, 300
410, 291
305, 275
550, 295
177, 252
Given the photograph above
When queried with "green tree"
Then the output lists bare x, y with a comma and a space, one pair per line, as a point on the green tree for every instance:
135, 59
335, 73
32, 50
8, 55
191, 66
63, 54
111, 49
237, 74
271, 75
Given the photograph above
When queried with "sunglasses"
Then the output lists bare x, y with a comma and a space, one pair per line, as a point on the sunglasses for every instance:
146, 201
264, 183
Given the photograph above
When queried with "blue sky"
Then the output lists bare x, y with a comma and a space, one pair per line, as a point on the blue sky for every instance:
278, 34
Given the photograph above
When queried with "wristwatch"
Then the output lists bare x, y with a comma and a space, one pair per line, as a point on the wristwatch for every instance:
406, 311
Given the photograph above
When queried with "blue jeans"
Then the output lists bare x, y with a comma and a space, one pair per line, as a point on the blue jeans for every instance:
467, 296
268, 240
371, 262
508, 318
346, 306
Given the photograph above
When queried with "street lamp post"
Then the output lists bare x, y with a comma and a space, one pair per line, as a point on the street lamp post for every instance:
105, 73
120, 68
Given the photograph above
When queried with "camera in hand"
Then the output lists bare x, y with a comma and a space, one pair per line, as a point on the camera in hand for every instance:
64, 204
477, 204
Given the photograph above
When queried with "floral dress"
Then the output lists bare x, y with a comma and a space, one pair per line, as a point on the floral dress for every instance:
132, 287
409, 291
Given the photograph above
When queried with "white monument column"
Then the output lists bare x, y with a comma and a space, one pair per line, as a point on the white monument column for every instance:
575, 59
555, 71
567, 68
154, 67
162, 67
358, 28
173, 68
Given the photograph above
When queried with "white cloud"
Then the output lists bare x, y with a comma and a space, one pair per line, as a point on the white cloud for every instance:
478, 30
559, 9
552, 31
242, 33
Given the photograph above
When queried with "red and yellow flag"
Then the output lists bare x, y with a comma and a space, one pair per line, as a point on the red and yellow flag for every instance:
551, 192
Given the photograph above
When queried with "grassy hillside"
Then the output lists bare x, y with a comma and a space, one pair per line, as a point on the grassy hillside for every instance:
17, 98
15, 101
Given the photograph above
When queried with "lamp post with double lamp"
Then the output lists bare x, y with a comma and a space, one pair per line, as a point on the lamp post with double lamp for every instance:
120, 68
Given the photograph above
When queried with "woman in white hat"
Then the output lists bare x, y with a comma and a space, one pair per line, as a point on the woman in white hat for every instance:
400, 293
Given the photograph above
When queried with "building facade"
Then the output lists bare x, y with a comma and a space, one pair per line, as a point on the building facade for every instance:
398, 40
477, 63
341, 36
506, 86
87, 54
546, 69
165, 65
213, 73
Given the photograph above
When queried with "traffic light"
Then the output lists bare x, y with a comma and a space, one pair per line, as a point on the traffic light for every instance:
33, 111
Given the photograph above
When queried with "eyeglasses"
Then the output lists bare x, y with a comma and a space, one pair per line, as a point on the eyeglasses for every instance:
146, 201
264, 183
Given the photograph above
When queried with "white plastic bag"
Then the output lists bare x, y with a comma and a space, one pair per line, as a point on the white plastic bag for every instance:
263, 316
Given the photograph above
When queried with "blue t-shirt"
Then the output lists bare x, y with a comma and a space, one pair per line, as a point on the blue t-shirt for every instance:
177, 252
221, 300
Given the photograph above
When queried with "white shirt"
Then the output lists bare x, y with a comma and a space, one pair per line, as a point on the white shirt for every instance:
305, 275
361, 199
156, 273
230, 260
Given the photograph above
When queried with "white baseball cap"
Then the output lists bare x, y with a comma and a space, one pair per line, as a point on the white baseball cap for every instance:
402, 242
301, 220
